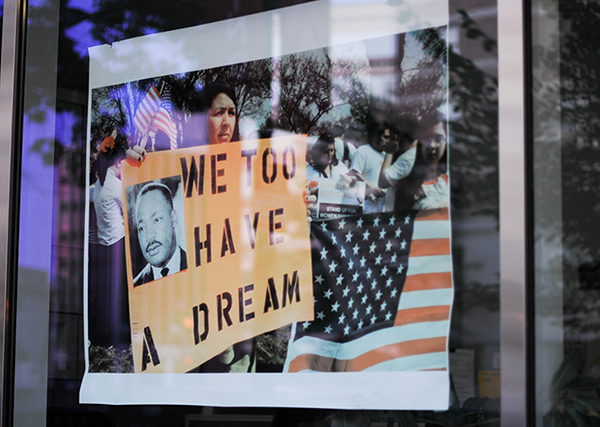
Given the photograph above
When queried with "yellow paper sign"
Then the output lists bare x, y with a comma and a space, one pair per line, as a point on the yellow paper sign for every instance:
218, 249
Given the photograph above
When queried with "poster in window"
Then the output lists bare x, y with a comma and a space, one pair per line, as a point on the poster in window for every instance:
263, 219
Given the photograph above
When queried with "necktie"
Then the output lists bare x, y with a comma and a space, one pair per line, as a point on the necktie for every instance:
164, 272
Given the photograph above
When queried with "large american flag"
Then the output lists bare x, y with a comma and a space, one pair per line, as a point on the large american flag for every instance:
147, 110
383, 294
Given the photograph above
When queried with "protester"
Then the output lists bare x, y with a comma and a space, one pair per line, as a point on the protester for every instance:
366, 166
108, 303
322, 160
401, 151
426, 187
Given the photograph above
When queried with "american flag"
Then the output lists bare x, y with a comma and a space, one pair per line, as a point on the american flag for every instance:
147, 110
162, 120
383, 294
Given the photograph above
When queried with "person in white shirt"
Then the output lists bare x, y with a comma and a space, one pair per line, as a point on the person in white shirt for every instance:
344, 150
427, 185
107, 277
401, 152
367, 163
322, 161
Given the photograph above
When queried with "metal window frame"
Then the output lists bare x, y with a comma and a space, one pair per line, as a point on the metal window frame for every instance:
513, 192
11, 73
516, 407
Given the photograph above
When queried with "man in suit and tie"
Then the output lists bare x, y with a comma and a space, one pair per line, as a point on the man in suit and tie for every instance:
156, 221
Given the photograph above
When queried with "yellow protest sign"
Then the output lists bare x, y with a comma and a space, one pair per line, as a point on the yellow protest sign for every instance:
217, 247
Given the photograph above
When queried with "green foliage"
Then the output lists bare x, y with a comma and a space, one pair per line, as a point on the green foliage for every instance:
271, 349
110, 359
575, 403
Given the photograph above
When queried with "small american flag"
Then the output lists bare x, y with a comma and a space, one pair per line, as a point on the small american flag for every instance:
163, 121
147, 110
383, 293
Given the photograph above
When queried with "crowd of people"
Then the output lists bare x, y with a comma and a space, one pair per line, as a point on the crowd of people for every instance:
402, 169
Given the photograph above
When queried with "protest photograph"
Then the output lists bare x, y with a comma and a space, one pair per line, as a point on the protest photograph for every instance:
283, 215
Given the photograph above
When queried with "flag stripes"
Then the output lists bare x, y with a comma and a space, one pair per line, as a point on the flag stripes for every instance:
162, 121
147, 110
418, 338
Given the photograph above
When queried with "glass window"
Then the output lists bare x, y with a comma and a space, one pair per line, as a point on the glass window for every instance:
567, 267
49, 349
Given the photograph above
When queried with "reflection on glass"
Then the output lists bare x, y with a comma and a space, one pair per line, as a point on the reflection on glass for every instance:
51, 241
567, 252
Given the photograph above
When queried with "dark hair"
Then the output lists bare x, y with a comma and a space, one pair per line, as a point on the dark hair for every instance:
409, 190
155, 186
319, 148
211, 91
375, 130
110, 153
337, 131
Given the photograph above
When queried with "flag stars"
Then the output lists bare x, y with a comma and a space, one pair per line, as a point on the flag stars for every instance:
324, 226
407, 220
394, 258
359, 223
324, 253
332, 267
350, 265
334, 239
388, 246
335, 307
355, 314
362, 262
378, 259
305, 325
346, 291
378, 296
374, 284
339, 280
341, 319
355, 276
373, 319
376, 222
384, 270
394, 292
392, 220
359, 289
388, 316
369, 308
360, 325
366, 235
383, 306
400, 269
355, 249
364, 299
388, 283
382, 234
398, 232
346, 329
372, 248
328, 329
350, 302
328, 293
369, 272
341, 224
403, 245
319, 279
343, 252
349, 237
320, 315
